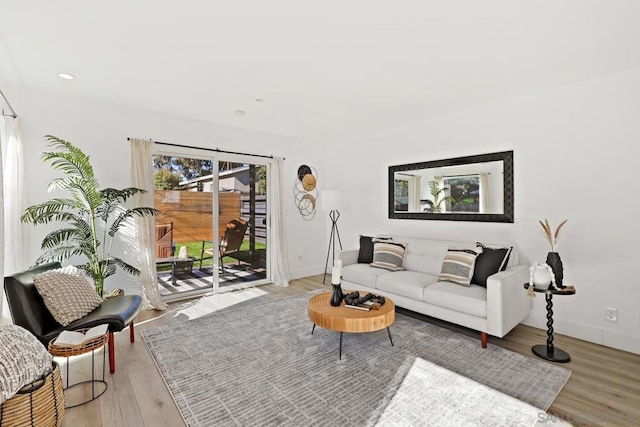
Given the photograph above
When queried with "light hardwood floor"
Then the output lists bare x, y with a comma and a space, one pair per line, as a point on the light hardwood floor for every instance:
604, 388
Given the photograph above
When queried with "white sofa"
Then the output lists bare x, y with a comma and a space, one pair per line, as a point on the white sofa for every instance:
493, 310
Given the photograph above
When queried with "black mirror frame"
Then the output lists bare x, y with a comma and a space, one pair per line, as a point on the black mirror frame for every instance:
505, 156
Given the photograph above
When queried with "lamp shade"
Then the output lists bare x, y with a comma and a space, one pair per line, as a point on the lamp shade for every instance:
331, 200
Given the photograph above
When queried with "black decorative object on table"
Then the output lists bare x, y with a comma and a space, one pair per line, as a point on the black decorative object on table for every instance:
554, 261
549, 351
336, 296
354, 298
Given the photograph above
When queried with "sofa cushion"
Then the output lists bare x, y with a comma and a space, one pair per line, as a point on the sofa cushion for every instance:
362, 274
388, 255
68, 297
365, 254
409, 284
490, 261
471, 300
458, 265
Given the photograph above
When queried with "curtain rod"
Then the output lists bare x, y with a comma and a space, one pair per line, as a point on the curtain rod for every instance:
6, 101
217, 150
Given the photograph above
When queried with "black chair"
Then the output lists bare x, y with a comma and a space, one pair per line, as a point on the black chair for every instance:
29, 311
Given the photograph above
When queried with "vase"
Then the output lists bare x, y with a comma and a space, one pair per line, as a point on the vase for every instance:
541, 277
336, 296
554, 261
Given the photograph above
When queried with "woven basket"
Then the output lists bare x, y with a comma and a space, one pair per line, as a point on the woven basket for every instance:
40, 403
67, 350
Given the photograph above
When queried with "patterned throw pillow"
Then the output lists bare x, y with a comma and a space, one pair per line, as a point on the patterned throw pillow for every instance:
67, 296
23, 359
458, 265
388, 254
489, 262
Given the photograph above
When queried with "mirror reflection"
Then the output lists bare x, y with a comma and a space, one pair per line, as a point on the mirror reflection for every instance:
473, 188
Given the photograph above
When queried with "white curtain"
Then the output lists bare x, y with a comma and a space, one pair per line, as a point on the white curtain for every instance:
11, 206
485, 199
142, 177
414, 194
281, 262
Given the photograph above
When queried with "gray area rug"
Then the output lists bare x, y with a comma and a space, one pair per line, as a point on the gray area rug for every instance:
260, 365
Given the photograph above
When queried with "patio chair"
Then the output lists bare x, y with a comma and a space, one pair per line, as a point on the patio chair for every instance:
230, 242
164, 240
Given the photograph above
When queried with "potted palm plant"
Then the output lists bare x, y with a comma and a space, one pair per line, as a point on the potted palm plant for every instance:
93, 216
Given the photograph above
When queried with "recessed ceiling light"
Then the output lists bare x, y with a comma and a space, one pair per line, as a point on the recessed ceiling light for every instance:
66, 76
239, 113
259, 100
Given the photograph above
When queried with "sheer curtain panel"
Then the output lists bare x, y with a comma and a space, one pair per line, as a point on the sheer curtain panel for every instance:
280, 257
12, 187
142, 177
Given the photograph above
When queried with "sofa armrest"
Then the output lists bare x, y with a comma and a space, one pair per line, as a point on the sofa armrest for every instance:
349, 257
507, 300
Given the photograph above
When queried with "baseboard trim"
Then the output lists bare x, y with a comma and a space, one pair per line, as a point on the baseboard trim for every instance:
584, 332
306, 272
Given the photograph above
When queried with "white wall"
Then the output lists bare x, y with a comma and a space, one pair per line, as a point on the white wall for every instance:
101, 130
576, 151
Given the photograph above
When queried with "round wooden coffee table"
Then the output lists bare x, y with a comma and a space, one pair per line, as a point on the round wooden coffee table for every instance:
342, 319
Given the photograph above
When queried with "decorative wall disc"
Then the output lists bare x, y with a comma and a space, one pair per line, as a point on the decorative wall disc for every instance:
305, 192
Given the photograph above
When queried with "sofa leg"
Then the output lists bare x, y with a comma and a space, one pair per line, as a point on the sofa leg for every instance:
112, 353
132, 333
485, 338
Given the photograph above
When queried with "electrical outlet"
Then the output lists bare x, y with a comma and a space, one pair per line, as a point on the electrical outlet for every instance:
611, 314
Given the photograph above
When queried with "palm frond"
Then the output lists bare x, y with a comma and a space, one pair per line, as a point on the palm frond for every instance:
47, 209
128, 268
120, 196
69, 159
59, 254
60, 236
130, 213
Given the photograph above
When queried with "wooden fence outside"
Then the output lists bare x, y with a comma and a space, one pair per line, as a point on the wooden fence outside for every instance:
192, 215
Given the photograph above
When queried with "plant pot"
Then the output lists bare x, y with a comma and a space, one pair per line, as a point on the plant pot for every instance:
554, 261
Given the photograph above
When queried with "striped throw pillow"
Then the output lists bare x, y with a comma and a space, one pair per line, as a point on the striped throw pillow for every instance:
458, 265
388, 255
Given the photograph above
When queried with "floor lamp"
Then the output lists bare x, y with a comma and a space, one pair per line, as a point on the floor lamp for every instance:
331, 201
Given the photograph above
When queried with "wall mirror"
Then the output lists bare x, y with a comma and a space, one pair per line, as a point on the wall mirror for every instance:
471, 188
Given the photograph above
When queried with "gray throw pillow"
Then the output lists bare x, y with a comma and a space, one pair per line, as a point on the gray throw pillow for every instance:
67, 296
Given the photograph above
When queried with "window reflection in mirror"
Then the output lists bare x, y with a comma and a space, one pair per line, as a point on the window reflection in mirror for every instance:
473, 188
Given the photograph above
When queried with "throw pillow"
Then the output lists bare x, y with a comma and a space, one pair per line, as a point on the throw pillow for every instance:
67, 296
365, 254
458, 265
388, 255
490, 261
23, 359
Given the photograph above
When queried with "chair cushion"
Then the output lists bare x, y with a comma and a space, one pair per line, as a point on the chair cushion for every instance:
458, 265
388, 255
68, 297
23, 359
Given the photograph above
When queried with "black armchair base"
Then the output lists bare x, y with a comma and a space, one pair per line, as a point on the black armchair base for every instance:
29, 311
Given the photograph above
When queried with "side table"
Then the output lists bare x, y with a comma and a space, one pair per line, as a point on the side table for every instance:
90, 345
548, 351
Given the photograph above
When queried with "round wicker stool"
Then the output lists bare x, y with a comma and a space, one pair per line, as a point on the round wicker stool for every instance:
90, 345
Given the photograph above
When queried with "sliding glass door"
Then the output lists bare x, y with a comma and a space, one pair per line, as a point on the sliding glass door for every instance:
211, 233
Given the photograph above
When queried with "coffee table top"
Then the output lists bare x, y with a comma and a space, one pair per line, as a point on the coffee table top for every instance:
343, 319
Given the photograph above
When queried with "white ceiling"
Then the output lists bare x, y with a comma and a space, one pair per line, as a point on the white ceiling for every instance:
322, 67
